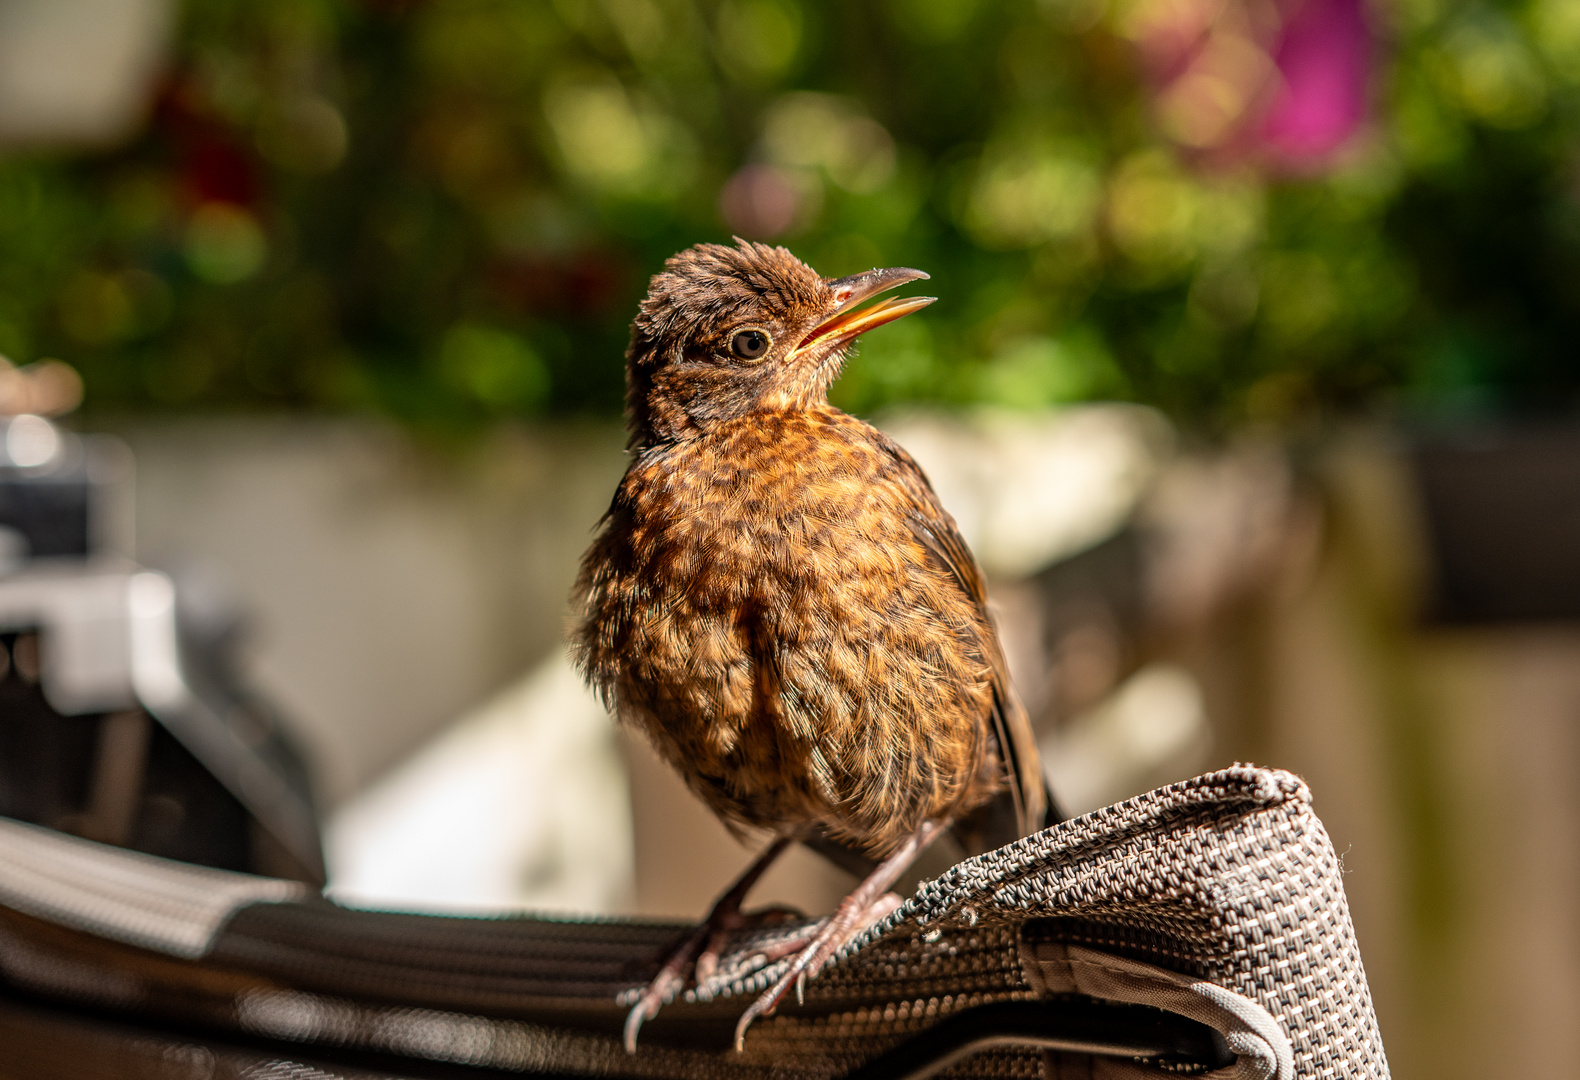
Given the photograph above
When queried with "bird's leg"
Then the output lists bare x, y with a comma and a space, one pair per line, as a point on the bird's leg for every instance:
849, 916
701, 947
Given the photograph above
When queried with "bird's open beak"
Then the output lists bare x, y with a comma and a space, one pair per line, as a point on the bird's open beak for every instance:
850, 321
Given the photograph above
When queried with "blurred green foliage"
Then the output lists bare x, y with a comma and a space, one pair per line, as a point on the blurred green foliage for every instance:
446, 210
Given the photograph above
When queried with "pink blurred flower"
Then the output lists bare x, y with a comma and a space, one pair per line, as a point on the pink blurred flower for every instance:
1324, 58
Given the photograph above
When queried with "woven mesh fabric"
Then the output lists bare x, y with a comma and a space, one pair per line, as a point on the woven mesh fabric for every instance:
1229, 877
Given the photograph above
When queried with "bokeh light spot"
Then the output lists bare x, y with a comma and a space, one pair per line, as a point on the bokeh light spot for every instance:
933, 22
494, 367
1153, 209
822, 131
304, 135
1492, 73
1029, 192
758, 40
761, 201
224, 243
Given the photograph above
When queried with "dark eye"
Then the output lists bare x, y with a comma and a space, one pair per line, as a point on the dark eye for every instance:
750, 344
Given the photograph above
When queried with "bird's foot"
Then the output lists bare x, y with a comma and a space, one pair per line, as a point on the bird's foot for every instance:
707, 964
696, 958
698, 953
831, 937
870, 902
843, 926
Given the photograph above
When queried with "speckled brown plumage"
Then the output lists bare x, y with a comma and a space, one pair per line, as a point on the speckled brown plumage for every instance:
777, 599
780, 603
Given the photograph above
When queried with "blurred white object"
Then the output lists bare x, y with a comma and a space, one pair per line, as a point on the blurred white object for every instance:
1030, 488
79, 72
30, 441
1152, 729
522, 804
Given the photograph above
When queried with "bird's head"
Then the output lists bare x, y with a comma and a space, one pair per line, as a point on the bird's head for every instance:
725, 332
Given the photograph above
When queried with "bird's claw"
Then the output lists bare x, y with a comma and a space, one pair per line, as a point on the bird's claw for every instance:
646, 1007
756, 1009
633, 1024
807, 963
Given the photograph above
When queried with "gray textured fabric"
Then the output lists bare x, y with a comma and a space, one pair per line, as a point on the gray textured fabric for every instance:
123, 895
1229, 878
1219, 898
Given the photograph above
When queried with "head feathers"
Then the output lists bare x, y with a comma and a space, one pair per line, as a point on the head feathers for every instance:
676, 381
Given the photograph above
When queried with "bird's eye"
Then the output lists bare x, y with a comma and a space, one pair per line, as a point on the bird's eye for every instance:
750, 344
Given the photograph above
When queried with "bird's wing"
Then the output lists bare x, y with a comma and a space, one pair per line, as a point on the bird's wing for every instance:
931, 524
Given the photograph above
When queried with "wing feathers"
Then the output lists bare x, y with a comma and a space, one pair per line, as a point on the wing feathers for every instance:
935, 529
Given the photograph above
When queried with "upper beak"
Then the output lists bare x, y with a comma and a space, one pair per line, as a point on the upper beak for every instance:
848, 323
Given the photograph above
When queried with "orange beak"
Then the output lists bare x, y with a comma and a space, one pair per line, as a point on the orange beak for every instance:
850, 321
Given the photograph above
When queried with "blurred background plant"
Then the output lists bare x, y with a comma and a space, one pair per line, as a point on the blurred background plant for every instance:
445, 210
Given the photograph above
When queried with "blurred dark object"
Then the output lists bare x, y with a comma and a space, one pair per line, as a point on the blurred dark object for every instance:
1093, 607
121, 718
46, 487
54, 1042
1502, 516
51, 1042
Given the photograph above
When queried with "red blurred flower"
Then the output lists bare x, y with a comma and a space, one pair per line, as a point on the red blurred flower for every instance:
214, 163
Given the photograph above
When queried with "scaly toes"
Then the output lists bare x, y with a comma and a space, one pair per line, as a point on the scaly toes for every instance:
708, 962
881, 908
770, 951
815, 951
660, 990
813, 954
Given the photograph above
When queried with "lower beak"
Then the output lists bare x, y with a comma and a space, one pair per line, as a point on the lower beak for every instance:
850, 321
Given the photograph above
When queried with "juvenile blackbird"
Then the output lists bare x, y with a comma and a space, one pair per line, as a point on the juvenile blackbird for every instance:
780, 603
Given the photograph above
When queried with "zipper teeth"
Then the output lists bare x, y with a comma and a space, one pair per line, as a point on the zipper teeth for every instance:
1179, 1068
